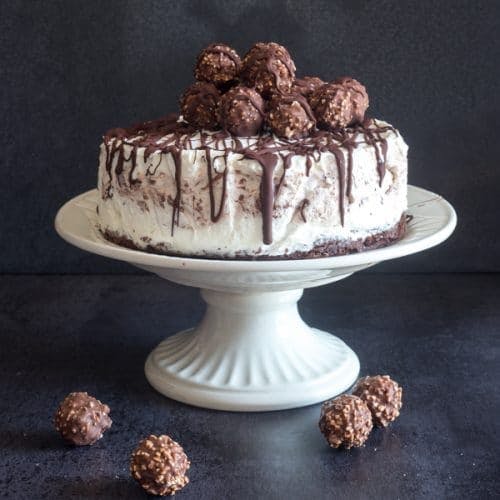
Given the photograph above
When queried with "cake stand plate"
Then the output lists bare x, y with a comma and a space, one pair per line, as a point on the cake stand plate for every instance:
252, 351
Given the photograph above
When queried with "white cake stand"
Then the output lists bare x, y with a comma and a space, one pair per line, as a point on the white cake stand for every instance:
252, 351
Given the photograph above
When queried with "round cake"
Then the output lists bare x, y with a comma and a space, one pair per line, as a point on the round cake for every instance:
317, 178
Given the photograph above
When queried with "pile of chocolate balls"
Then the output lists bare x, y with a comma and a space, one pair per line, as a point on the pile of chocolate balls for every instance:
347, 420
159, 464
259, 92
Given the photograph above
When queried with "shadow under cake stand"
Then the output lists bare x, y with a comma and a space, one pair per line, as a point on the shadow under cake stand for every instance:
252, 351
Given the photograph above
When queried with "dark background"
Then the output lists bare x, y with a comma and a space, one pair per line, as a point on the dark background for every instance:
70, 70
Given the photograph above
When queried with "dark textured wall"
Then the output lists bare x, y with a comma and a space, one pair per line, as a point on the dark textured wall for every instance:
71, 69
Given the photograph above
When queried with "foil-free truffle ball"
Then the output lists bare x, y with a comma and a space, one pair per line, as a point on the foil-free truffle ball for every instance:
217, 64
82, 419
199, 105
307, 85
269, 68
241, 111
345, 421
290, 116
359, 96
382, 395
339, 104
159, 465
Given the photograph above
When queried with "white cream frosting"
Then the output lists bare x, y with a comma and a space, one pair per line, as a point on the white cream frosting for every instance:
142, 212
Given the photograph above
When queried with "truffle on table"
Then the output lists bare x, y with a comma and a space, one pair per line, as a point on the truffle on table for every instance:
269, 68
82, 419
345, 421
241, 111
159, 465
339, 104
218, 64
382, 395
290, 116
199, 105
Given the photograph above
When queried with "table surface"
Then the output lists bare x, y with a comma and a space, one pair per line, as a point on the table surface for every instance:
438, 335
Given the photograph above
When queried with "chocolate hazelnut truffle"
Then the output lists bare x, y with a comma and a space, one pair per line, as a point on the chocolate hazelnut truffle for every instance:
268, 67
199, 105
339, 104
82, 419
241, 111
359, 96
382, 395
217, 64
345, 421
159, 465
307, 85
290, 116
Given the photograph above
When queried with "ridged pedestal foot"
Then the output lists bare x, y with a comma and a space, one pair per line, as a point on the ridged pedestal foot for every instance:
252, 352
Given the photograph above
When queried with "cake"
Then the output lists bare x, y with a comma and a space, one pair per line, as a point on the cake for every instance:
258, 165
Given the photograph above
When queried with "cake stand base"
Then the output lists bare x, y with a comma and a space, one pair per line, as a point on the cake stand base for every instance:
252, 352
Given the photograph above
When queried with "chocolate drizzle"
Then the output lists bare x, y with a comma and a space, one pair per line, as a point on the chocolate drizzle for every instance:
268, 162
171, 136
215, 216
287, 160
376, 140
348, 191
176, 205
339, 157
302, 207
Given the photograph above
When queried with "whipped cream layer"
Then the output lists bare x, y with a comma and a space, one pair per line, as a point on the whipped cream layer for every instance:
208, 194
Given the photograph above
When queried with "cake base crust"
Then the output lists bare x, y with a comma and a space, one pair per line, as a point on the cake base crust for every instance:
325, 249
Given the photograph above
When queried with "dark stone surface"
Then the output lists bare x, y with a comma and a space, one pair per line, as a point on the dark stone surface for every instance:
71, 70
436, 335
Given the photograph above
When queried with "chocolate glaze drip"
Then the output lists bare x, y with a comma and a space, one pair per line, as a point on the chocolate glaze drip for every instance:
302, 207
268, 161
176, 205
339, 156
215, 216
349, 147
168, 135
375, 139
287, 160
133, 161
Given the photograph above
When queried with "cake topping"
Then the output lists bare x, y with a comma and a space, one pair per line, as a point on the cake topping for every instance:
339, 104
159, 465
199, 105
345, 421
307, 85
382, 395
82, 419
290, 116
268, 67
217, 64
241, 111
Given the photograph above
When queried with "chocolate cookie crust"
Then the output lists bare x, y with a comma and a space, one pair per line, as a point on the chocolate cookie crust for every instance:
325, 249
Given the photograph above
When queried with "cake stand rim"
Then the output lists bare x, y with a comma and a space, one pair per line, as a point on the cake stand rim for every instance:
75, 236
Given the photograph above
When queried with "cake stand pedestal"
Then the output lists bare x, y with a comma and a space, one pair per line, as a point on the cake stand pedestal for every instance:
252, 351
